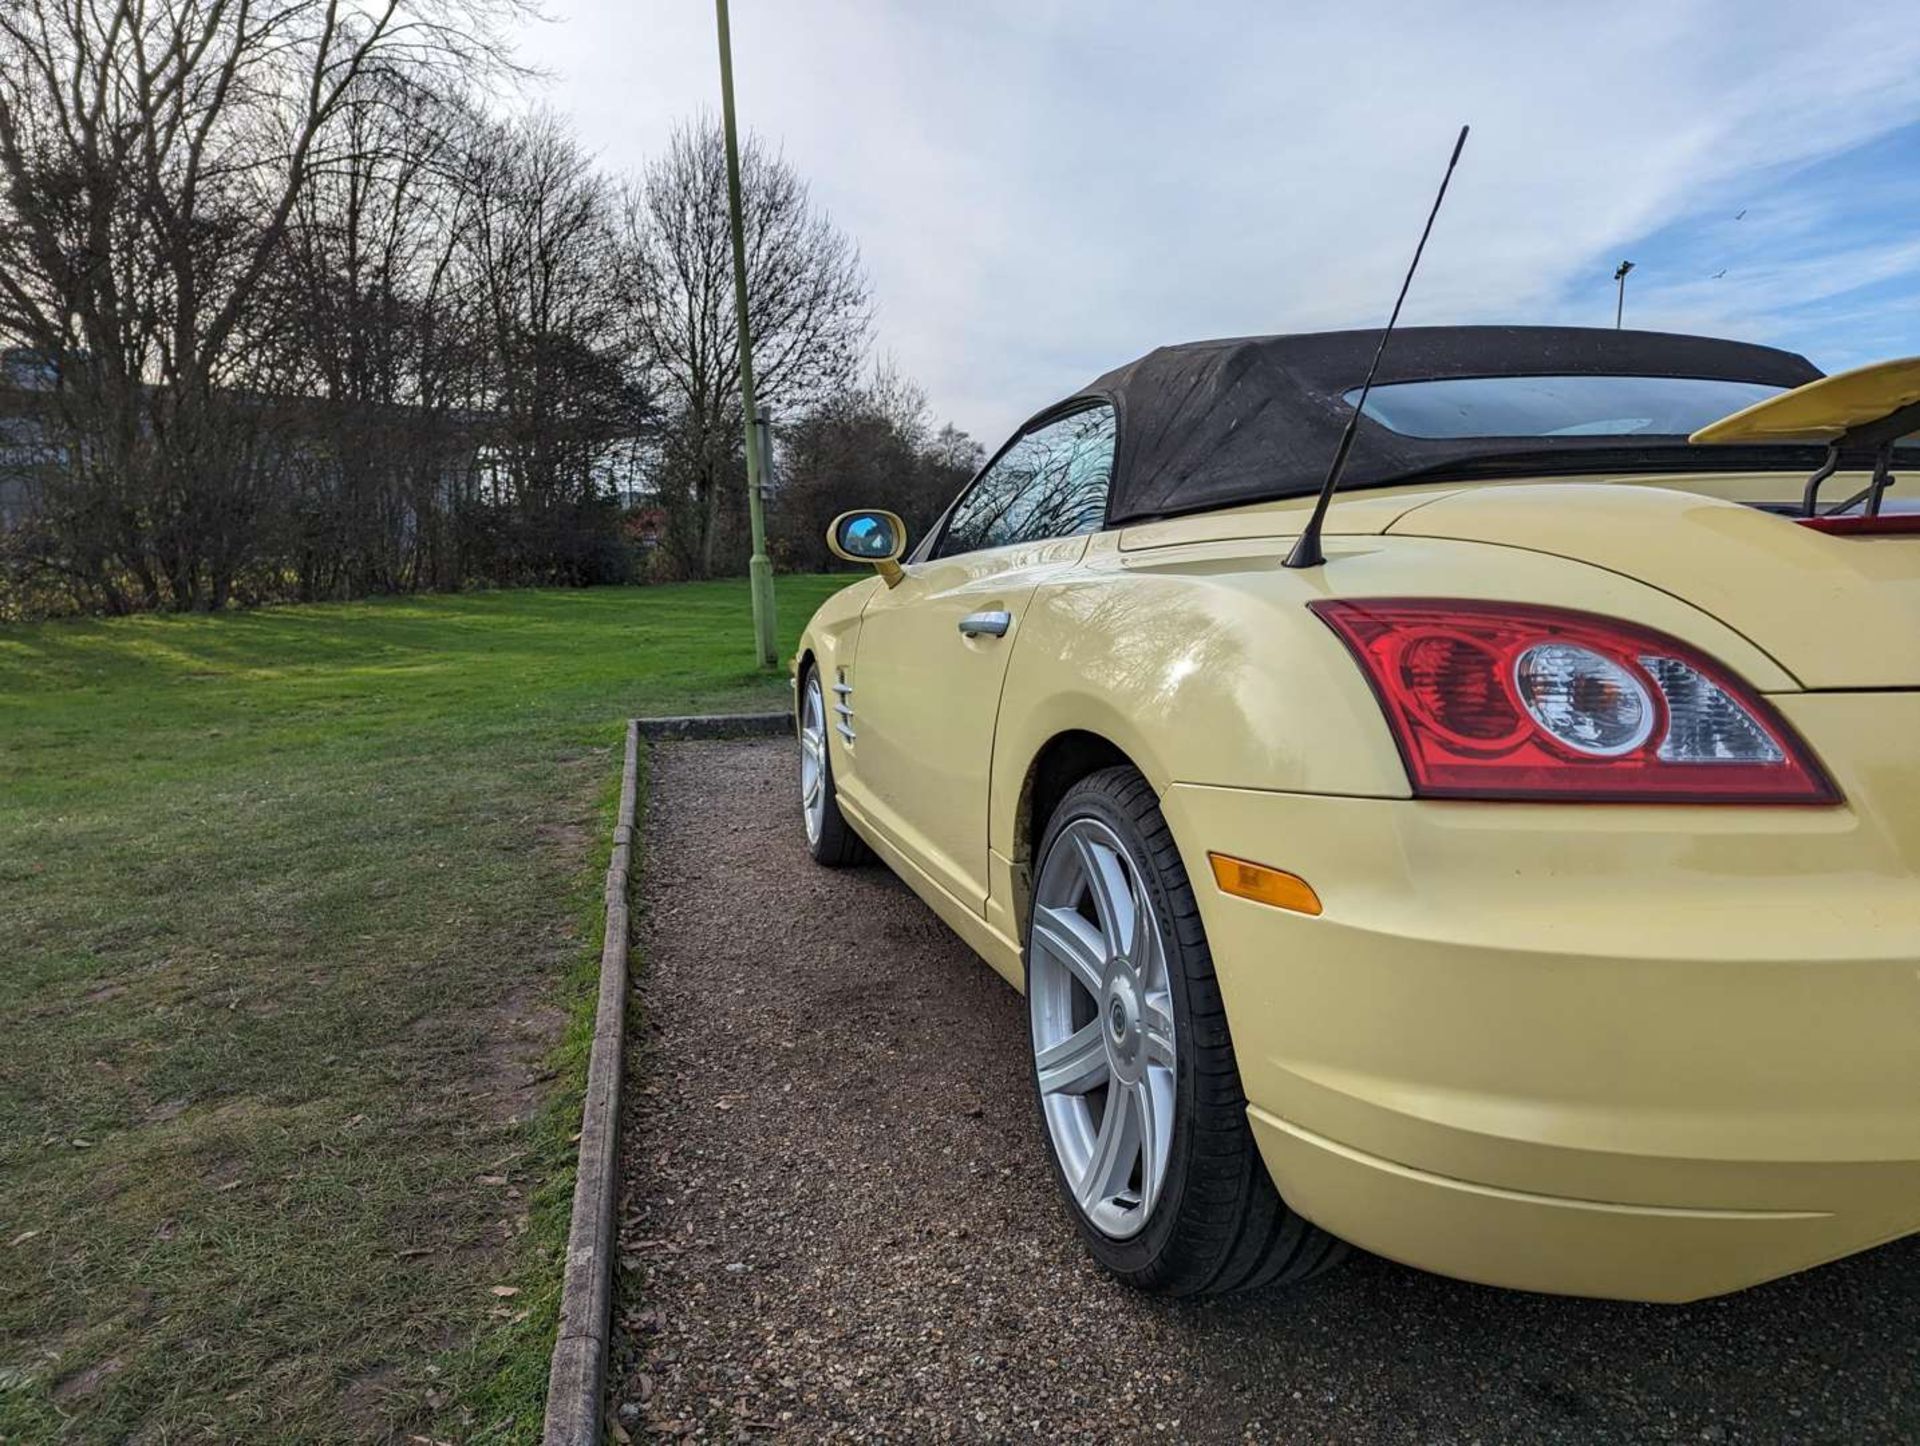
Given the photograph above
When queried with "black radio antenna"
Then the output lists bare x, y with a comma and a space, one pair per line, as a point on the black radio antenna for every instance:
1306, 552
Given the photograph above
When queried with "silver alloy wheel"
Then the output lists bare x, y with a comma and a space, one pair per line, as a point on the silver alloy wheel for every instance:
813, 757
1102, 1011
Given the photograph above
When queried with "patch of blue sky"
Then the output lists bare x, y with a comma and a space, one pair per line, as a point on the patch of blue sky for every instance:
1822, 258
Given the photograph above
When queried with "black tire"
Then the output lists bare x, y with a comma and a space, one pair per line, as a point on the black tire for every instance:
1219, 1225
835, 845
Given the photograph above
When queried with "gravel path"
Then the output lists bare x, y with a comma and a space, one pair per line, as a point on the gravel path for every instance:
838, 1223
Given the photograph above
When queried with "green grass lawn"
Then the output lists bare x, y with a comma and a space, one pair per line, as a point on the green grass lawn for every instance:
297, 936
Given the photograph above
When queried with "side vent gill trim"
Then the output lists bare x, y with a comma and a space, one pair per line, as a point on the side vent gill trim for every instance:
843, 690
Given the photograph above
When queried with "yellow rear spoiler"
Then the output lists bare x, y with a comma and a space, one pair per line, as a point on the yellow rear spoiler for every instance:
1860, 413
1823, 411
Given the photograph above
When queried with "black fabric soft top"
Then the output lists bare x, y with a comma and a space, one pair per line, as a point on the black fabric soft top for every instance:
1217, 423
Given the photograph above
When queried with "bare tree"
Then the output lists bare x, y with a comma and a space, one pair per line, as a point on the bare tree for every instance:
867, 446
152, 156
301, 320
808, 316
365, 322
539, 245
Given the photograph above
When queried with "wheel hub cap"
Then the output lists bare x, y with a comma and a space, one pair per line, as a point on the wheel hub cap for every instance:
1124, 1031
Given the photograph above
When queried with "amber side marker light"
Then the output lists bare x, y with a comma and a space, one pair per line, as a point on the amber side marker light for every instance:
1245, 880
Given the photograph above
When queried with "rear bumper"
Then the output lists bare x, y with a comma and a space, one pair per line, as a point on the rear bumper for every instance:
1565, 1246
1646, 1053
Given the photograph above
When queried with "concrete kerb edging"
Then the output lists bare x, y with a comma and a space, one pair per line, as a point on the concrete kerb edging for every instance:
577, 1376
715, 725
576, 1379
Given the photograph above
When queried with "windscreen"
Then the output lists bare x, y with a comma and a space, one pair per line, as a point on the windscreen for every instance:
1557, 406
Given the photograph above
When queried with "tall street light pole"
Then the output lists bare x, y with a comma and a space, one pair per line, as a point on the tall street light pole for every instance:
759, 569
1620, 275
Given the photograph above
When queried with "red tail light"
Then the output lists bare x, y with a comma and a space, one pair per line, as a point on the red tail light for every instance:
1509, 701
1886, 524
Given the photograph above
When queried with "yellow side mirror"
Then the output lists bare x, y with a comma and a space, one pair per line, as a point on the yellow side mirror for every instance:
870, 535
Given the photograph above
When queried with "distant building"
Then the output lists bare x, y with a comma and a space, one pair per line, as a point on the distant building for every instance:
27, 443
463, 461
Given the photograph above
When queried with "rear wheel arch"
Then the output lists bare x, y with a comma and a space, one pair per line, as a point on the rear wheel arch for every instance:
1061, 762
1216, 1222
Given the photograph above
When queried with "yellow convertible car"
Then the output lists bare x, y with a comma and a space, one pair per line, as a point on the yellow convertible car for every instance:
1528, 889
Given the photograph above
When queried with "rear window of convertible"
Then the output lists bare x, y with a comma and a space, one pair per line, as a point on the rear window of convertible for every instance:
1557, 406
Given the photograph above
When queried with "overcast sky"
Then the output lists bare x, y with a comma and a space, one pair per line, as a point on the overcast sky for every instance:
1042, 189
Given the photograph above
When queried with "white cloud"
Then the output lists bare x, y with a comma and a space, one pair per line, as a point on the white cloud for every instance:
1042, 190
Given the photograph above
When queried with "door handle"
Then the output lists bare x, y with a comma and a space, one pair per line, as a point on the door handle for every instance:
986, 625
